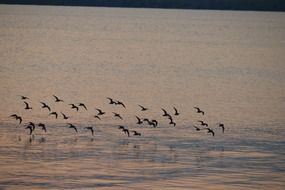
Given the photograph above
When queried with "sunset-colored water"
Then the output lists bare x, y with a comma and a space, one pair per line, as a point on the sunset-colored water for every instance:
230, 64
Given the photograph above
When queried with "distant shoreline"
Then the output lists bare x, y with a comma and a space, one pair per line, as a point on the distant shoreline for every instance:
239, 5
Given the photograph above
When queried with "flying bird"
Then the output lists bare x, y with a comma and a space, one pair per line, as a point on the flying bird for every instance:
96, 116
64, 116
203, 123
143, 108
44, 105
111, 101
117, 115
136, 133
72, 127
31, 129
198, 110
120, 103
24, 97
100, 112
54, 113
176, 112
57, 99
222, 126
126, 131
165, 112
82, 105
210, 131
197, 128
27, 106
17, 118
91, 129
74, 107
139, 120
42, 126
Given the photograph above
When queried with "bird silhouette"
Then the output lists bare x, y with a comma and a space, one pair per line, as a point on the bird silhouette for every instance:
155, 122
64, 116
54, 113
72, 127
27, 106
91, 129
203, 123
210, 131
24, 97
120, 103
176, 112
111, 101
165, 112
197, 128
57, 99
31, 129
136, 133
198, 110
100, 112
17, 118
74, 107
32, 125
97, 116
126, 131
42, 126
117, 115
139, 120
44, 105
143, 108
121, 127
222, 126
82, 105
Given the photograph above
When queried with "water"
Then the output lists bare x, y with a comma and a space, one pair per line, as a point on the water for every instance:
231, 64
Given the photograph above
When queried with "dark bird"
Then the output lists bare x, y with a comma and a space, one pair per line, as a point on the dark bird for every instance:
17, 118
172, 123
139, 120
121, 127
42, 126
96, 116
91, 129
198, 110
143, 108
54, 113
24, 97
155, 122
176, 112
197, 128
74, 107
117, 115
32, 125
100, 112
57, 99
120, 103
27, 106
111, 101
165, 112
64, 116
136, 133
126, 131
44, 105
210, 131
150, 123
82, 105
72, 126
31, 129
203, 123
222, 126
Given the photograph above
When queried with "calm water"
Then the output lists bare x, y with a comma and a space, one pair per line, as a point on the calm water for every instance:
231, 64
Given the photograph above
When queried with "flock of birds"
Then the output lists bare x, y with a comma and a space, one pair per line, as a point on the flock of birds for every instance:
31, 126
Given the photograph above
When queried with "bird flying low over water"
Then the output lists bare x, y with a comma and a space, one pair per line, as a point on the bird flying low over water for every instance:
210, 131
57, 99
72, 127
54, 113
31, 129
222, 126
91, 129
136, 133
125, 130
143, 108
32, 125
176, 111
44, 105
139, 120
82, 105
17, 118
42, 126
74, 107
64, 116
198, 110
165, 113
27, 106
117, 115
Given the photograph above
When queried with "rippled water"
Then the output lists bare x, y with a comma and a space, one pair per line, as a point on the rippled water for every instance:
231, 64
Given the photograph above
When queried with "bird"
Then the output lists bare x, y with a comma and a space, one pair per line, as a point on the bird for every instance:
57, 99
24, 97
72, 126
32, 125
91, 129
210, 131
100, 112
117, 115
199, 110
197, 128
97, 116
82, 105
42, 126
136, 133
165, 112
176, 112
203, 123
121, 127
44, 105
155, 122
64, 116
120, 103
150, 123
27, 106
54, 113
74, 107
31, 129
126, 131
139, 120
111, 101
143, 108
17, 118
172, 123
222, 126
